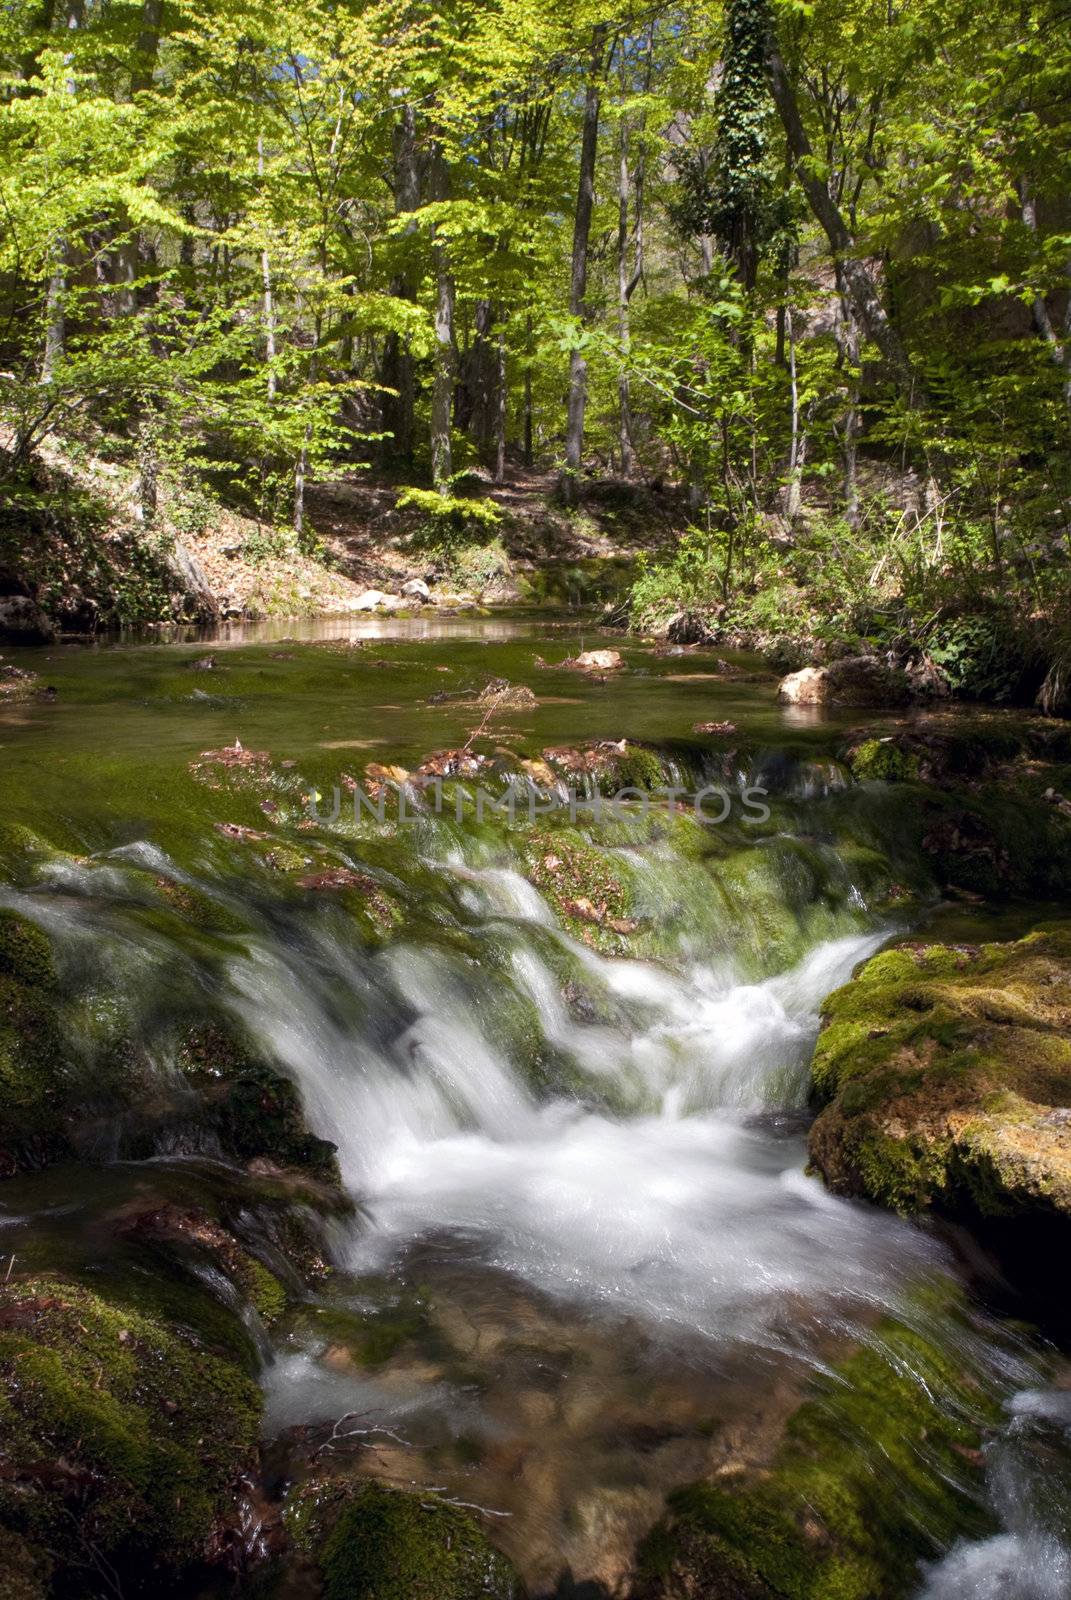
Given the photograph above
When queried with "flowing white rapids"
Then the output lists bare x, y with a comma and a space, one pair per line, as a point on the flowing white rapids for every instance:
1030, 1559
682, 1206
609, 1132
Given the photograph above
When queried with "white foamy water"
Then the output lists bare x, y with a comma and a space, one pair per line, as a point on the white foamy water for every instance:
680, 1205
1030, 1559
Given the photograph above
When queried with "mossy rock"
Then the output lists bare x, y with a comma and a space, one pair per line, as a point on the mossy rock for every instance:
946, 1072
873, 1476
587, 887
374, 1543
35, 1077
254, 1111
883, 760
25, 952
123, 1440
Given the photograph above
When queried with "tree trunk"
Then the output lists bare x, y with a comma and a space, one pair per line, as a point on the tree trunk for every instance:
396, 372
268, 296
55, 309
529, 457
442, 392
147, 48
578, 282
624, 339
1059, 348
42, 26
848, 344
857, 284
300, 473
798, 443
501, 405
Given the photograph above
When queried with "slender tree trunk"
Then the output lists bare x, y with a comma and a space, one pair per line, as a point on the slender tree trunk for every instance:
56, 295
1059, 348
397, 372
857, 285
442, 392
501, 405
798, 443
266, 289
624, 201
42, 26
529, 457
848, 344
585, 203
300, 473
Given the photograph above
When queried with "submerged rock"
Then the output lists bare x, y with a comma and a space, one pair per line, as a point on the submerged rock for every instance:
15, 684
500, 694
853, 681
947, 1076
895, 1426
374, 1543
594, 661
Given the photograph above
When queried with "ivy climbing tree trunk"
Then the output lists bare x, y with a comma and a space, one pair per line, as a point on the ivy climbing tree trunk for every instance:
856, 284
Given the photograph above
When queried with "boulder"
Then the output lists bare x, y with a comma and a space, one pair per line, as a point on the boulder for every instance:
375, 600
946, 1072
370, 1542
416, 589
688, 627
853, 681
23, 622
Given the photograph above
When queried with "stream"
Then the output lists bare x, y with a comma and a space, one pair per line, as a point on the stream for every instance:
584, 1263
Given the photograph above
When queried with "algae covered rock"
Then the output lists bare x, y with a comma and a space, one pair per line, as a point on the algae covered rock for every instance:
25, 952
122, 1438
874, 1475
374, 1543
947, 1076
34, 1061
255, 1113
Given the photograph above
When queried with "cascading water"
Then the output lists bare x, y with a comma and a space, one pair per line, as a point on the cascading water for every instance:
578, 1178
680, 1207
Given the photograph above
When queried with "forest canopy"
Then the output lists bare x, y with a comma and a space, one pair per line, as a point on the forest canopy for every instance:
808, 262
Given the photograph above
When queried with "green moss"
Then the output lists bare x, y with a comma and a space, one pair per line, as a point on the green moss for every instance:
945, 1071
374, 1543
587, 887
25, 952
639, 767
266, 1293
199, 909
147, 1431
874, 1475
35, 1071
254, 1110
884, 760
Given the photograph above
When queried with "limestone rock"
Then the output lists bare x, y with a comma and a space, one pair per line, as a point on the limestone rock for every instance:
23, 622
375, 600
947, 1072
853, 681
